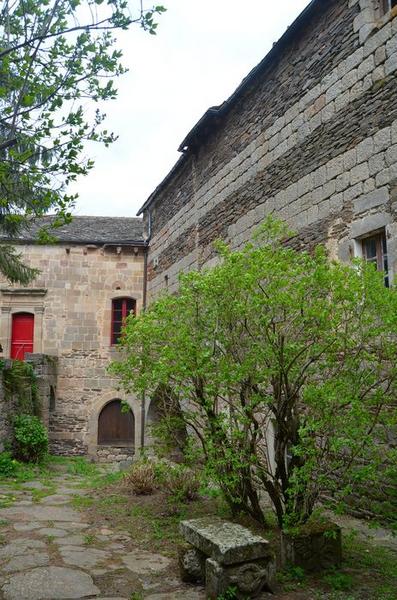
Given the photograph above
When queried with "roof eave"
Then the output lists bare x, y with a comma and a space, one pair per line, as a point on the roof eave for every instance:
219, 111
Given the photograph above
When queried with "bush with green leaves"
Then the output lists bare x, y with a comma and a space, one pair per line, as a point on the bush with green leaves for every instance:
8, 464
30, 438
283, 366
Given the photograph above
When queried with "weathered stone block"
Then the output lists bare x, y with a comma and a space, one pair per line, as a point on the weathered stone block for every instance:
191, 564
248, 579
313, 550
227, 543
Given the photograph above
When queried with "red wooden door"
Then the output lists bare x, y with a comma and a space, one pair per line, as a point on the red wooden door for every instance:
21, 335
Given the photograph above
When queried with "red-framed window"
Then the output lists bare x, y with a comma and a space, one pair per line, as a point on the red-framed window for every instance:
375, 251
121, 308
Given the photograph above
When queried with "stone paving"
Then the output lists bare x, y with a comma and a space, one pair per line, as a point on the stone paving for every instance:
50, 553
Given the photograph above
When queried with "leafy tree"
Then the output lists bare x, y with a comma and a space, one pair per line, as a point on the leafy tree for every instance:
283, 365
57, 60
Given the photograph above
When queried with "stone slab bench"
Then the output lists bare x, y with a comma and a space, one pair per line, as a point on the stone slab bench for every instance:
225, 555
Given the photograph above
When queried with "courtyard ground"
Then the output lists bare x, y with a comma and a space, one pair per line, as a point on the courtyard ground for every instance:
73, 531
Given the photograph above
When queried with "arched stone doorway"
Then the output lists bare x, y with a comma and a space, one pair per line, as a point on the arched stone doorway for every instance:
113, 444
116, 426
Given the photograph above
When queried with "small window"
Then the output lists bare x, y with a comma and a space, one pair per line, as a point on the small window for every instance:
388, 5
375, 251
121, 308
52, 398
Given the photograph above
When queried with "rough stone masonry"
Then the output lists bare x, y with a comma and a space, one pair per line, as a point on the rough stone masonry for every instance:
310, 135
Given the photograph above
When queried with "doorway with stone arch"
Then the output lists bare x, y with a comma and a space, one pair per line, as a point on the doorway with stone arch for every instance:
116, 425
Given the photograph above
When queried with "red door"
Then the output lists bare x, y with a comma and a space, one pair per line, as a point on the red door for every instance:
22, 335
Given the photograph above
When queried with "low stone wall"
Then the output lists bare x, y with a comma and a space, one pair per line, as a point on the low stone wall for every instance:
118, 454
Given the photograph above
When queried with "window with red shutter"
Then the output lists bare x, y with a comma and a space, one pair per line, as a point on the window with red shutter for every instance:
121, 308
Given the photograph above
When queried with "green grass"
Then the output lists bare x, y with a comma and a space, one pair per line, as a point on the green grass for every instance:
38, 495
7, 500
81, 502
89, 539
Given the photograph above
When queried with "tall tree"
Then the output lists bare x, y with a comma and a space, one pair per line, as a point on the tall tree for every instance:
58, 59
283, 365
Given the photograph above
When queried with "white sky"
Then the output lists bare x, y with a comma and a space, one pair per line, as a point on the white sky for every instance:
202, 51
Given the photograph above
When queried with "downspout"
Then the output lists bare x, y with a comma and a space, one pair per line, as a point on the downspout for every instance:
144, 304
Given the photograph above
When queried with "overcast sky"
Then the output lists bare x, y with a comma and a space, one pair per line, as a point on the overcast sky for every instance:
202, 51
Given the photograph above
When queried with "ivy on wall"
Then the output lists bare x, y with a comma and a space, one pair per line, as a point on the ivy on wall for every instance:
20, 387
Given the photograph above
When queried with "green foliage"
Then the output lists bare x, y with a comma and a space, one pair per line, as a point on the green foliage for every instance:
8, 465
30, 438
20, 384
80, 466
274, 352
339, 581
230, 594
58, 62
181, 483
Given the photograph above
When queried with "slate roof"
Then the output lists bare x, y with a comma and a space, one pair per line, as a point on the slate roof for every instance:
89, 230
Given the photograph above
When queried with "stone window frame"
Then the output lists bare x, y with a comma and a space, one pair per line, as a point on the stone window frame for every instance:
17, 300
371, 16
381, 256
388, 5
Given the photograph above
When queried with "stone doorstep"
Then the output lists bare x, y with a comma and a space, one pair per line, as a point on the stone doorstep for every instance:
227, 543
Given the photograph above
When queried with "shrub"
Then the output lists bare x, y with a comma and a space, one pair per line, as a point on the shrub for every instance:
8, 465
282, 366
182, 483
141, 478
30, 438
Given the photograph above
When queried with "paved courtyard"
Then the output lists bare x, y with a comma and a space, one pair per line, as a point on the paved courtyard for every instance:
49, 552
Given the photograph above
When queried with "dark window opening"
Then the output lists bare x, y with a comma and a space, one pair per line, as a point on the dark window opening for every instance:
115, 425
388, 5
375, 251
52, 398
121, 308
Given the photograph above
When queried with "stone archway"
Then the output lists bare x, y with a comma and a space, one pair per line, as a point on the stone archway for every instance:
120, 451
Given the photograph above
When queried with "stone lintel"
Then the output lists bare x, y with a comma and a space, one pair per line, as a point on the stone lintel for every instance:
23, 291
227, 543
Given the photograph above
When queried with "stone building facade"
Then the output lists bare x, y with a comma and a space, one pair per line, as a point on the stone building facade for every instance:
95, 262
310, 135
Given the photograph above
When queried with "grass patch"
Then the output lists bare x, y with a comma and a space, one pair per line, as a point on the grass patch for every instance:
6, 500
89, 539
80, 466
39, 494
81, 502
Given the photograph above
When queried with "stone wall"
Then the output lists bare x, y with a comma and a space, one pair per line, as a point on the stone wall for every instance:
311, 138
71, 300
45, 368
4, 416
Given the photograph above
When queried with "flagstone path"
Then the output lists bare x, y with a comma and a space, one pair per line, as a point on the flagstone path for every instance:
50, 553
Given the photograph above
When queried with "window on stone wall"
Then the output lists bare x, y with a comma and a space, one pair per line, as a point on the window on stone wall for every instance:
374, 249
121, 308
388, 5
